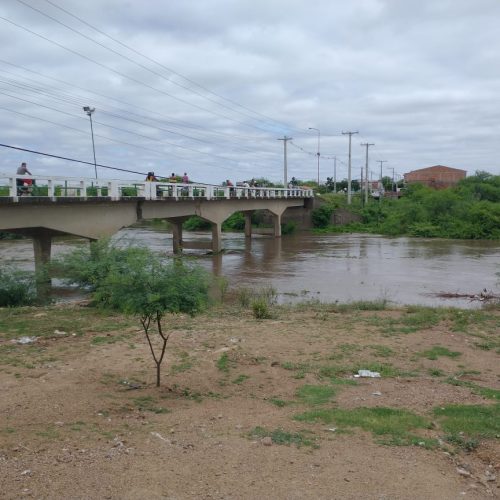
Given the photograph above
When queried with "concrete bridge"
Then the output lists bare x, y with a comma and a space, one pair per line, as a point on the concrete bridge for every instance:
44, 207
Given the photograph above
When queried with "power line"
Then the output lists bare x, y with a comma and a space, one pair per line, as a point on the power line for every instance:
71, 159
123, 75
160, 65
178, 123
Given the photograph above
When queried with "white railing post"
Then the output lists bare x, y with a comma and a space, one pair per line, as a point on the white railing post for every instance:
113, 190
12, 187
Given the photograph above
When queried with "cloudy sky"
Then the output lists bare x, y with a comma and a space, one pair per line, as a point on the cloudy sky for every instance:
208, 86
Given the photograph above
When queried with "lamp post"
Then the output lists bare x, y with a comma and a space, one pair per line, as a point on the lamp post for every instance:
88, 110
318, 153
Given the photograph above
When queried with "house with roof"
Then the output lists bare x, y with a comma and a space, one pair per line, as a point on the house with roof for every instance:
437, 177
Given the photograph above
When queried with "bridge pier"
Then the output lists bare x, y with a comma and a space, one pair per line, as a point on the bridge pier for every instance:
277, 225
177, 234
42, 248
216, 237
248, 224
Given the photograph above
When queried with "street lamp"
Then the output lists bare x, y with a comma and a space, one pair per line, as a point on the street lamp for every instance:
88, 110
319, 135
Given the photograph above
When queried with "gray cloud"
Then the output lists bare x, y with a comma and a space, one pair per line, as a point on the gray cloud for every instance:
420, 79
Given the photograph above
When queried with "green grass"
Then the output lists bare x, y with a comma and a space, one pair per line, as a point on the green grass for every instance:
315, 394
393, 425
473, 421
148, 403
437, 351
436, 372
240, 379
223, 363
475, 389
108, 339
279, 436
280, 403
184, 365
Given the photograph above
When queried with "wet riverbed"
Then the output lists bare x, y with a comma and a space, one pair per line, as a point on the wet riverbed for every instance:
327, 267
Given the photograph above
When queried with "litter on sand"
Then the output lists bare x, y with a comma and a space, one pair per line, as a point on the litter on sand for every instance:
367, 373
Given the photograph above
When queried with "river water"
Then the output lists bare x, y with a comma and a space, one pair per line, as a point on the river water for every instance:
339, 267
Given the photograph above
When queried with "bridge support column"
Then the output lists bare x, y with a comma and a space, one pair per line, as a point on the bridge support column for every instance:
277, 225
42, 246
177, 235
216, 237
248, 224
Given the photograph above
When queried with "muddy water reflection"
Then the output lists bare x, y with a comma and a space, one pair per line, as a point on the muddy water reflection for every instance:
329, 267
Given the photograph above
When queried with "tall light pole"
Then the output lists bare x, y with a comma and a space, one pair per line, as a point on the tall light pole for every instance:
350, 134
88, 110
318, 153
285, 140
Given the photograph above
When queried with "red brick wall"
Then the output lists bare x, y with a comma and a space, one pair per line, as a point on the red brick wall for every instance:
438, 177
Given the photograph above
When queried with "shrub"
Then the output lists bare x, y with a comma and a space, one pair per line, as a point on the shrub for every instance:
17, 288
289, 228
321, 216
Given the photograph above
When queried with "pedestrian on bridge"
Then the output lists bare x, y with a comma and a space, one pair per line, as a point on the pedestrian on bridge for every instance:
185, 178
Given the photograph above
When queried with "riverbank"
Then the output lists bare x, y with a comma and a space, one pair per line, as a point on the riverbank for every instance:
251, 408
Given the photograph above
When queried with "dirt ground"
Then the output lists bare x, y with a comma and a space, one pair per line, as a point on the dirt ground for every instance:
80, 416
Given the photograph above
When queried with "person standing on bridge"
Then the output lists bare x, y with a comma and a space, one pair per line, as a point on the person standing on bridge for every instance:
185, 178
172, 178
151, 177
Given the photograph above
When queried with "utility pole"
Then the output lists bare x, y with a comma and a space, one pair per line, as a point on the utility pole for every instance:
318, 153
88, 111
285, 140
350, 134
392, 179
335, 174
367, 144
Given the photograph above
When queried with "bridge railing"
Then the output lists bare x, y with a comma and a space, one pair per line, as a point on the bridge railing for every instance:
54, 187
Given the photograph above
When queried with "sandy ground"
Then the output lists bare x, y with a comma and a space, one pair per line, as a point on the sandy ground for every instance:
81, 418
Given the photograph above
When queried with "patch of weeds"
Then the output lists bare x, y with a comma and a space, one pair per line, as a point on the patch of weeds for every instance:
363, 305
280, 403
475, 389
223, 363
108, 339
49, 433
300, 368
469, 421
381, 351
77, 426
461, 442
240, 379
315, 394
395, 424
420, 318
436, 372
279, 436
261, 309
462, 320
485, 345
185, 364
345, 350
147, 403
193, 395
7, 430
437, 351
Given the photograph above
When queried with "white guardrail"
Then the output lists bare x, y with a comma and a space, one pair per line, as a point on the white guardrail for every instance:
18, 186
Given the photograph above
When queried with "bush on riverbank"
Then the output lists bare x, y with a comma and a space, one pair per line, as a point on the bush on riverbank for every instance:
17, 288
471, 210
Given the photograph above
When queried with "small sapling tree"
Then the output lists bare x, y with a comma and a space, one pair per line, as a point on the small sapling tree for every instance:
152, 289
135, 281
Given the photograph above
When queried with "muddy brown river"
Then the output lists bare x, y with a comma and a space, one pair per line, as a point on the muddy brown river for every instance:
343, 267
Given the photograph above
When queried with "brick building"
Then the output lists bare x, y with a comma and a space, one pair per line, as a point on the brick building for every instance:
438, 176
